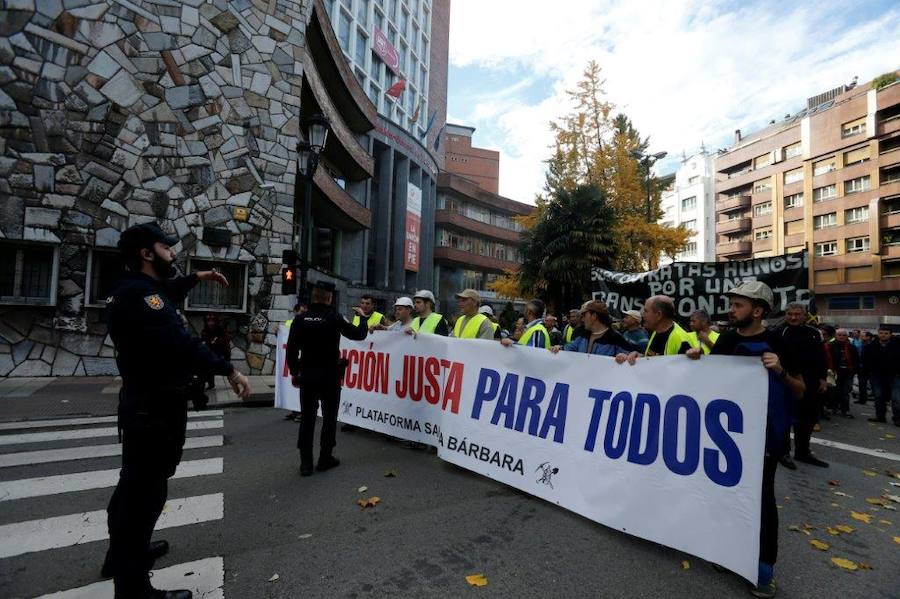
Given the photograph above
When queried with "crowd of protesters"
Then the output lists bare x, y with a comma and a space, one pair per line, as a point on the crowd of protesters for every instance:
811, 368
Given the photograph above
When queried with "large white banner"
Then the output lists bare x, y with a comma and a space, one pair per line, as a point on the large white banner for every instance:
668, 450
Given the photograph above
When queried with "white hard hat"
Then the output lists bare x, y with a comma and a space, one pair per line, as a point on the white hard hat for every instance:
404, 301
754, 290
424, 294
486, 310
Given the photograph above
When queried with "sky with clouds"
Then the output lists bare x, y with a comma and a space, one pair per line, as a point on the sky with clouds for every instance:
685, 71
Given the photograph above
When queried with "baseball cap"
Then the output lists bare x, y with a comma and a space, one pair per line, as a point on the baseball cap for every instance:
633, 313
754, 290
404, 301
143, 236
424, 294
486, 310
470, 294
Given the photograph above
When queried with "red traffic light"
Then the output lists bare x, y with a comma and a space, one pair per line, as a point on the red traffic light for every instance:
289, 280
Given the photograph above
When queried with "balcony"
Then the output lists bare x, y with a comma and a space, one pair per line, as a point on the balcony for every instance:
890, 221
890, 125
735, 225
763, 245
466, 224
730, 249
733, 203
462, 258
339, 207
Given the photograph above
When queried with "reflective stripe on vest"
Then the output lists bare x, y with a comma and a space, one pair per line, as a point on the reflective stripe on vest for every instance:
430, 324
567, 335
374, 318
473, 324
526, 336
673, 343
695, 341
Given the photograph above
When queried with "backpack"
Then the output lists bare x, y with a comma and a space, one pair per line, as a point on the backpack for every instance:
779, 416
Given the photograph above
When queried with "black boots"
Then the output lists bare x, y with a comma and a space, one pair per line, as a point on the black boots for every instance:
156, 550
327, 462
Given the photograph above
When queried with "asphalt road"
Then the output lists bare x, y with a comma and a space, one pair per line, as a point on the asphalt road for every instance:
437, 524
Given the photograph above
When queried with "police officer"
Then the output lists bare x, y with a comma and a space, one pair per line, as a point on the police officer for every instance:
314, 361
156, 358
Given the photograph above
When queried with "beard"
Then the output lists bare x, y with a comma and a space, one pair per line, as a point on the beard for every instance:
163, 268
741, 323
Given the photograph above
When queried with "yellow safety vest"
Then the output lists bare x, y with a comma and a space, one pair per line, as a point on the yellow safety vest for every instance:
673, 343
430, 324
526, 336
695, 340
374, 318
473, 324
495, 325
288, 322
567, 334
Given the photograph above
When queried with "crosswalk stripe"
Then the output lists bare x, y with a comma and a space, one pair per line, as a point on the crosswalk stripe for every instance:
74, 529
24, 458
97, 479
9, 426
885, 455
88, 433
205, 578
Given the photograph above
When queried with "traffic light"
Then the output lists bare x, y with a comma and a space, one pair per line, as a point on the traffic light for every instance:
289, 257
289, 280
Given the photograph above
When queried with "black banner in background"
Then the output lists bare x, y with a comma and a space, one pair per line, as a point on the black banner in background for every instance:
702, 285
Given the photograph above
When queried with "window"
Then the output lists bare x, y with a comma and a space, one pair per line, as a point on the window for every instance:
689, 203
694, 180
856, 127
821, 194
890, 269
210, 296
403, 54
890, 205
762, 161
28, 274
360, 50
763, 233
404, 23
344, 30
891, 237
472, 279
690, 224
362, 9
857, 244
793, 176
762, 185
762, 209
826, 248
856, 215
824, 166
856, 185
889, 175
823, 221
792, 151
795, 200
856, 156
104, 269
690, 249
851, 302
375, 69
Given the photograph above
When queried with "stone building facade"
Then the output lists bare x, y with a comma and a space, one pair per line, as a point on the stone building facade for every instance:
118, 112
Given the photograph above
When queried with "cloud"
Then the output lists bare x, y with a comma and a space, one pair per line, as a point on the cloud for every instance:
685, 72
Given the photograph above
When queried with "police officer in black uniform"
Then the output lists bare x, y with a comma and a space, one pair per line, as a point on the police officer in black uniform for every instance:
316, 336
156, 358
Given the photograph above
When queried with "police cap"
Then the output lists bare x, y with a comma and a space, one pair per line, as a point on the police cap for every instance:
144, 236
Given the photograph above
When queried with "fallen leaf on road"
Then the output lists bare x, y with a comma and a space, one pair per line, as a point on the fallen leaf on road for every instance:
892, 473
867, 518
835, 505
685, 565
274, 578
894, 484
363, 489
808, 526
832, 531
897, 540
819, 545
865, 566
870, 473
796, 528
369, 502
888, 436
390, 474
846, 564
894, 498
887, 522
476, 580
304, 536
834, 483
875, 501
842, 494
890, 507
845, 528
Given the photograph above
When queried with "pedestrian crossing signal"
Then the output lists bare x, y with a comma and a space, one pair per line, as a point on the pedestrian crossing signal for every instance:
289, 280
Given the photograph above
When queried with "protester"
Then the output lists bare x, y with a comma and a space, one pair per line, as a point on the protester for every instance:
403, 309
572, 327
536, 334
369, 313
471, 324
862, 379
805, 343
601, 339
882, 363
632, 330
843, 360
556, 336
489, 312
427, 320
750, 302
701, 334
518, 329
667, 338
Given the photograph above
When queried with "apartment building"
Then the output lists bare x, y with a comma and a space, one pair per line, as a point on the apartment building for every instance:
689, 200
827, 180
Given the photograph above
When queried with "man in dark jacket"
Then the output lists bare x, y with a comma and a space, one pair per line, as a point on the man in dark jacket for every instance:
313, 358
882, 363
157, 359
843, 359
806, 343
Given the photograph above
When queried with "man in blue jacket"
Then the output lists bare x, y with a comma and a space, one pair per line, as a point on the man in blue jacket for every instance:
601, 338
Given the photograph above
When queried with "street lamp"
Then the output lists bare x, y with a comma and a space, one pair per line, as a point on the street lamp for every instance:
647, 161
308, 153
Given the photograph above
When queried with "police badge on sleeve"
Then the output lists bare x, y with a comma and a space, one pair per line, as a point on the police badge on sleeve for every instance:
154, 301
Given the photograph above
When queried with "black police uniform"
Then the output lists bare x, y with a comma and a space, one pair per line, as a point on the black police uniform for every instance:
316, 335
156, 358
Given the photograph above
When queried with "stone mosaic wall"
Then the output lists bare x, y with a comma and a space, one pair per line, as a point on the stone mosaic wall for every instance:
118, 112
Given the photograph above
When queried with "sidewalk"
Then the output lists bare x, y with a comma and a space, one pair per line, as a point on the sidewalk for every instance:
57, 397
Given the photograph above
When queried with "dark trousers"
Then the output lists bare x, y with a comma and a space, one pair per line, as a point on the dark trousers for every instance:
887, 393
150, 454
768, 529
843, 385
312, 393
863, 382
805, 419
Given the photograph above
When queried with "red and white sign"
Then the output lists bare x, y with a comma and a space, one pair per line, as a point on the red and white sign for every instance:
386, 50
413, 224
